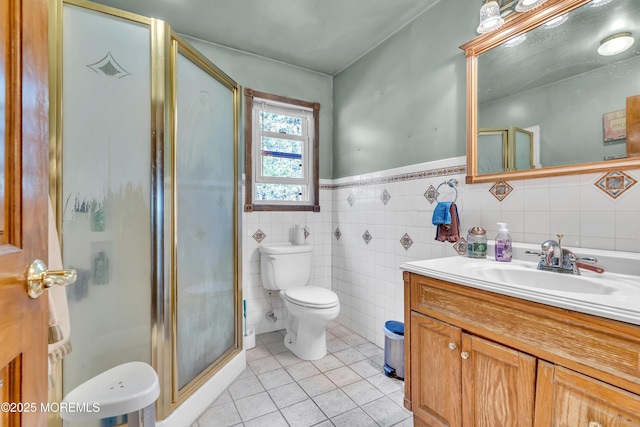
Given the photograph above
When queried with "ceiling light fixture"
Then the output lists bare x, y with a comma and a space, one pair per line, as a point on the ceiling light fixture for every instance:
557, 21
527, 5
515, 41
490, 18
596, 3
615, 44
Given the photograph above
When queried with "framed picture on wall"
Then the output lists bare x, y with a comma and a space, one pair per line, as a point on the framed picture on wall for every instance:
615, 127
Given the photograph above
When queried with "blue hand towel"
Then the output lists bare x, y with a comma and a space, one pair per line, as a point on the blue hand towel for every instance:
442, 213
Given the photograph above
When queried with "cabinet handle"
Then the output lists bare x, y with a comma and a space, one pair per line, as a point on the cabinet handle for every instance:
453, 346
465, 356
594, 424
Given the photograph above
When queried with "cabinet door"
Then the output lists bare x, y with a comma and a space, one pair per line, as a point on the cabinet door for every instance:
498, 385
566, 398
435, 371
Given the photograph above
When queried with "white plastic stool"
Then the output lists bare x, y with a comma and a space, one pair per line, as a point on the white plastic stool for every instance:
131, 388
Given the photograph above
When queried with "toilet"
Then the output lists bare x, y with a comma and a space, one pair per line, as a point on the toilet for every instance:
286, 267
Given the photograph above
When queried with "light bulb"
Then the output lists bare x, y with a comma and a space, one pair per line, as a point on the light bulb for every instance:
615, 44
527, 5
490, 18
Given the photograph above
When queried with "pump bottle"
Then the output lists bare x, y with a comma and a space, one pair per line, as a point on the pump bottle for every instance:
503, 243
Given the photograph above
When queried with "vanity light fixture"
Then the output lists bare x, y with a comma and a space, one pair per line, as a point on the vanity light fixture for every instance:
527, 5
490, 18
615, 44
557, 21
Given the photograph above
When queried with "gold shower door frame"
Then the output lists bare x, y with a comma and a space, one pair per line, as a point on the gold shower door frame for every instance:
177, 46
165, 45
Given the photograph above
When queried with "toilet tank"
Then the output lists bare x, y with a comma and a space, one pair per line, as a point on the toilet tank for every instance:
284, 265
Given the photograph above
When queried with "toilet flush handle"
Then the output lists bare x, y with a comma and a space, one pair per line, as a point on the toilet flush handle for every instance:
273, 257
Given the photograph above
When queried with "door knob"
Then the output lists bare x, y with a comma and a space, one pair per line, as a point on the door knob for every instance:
39, 278
464, 355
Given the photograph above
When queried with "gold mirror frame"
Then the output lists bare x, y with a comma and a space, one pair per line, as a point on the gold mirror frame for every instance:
515, 25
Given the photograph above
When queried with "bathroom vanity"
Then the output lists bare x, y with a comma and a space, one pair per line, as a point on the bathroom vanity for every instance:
487, 353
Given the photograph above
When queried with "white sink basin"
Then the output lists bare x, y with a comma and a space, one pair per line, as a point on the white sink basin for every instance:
521, 274
613, 295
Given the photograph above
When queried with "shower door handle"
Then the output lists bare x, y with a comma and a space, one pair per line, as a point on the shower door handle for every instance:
39, 278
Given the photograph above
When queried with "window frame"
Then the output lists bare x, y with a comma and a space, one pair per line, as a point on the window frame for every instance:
305, 139
313, 204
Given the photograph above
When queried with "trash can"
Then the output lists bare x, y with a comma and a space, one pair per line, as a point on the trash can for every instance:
394, 349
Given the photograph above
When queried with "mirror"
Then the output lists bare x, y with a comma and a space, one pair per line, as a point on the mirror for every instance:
506, 149
578, 109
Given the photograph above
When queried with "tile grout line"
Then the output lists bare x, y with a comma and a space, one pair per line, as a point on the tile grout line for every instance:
404, 417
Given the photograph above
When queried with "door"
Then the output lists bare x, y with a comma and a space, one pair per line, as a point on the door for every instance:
436, 372
567, 398
23, 208
498, 385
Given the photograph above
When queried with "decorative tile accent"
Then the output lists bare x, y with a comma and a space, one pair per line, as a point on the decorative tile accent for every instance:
108, 66
367, 237
431, 194
259, 236
615, 183
432, 173
385, 197
406, 242
501, 190
351, 199
306, 232
461, 246
337, 233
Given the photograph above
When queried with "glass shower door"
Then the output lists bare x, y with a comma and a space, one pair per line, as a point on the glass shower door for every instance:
205, 271
106, 189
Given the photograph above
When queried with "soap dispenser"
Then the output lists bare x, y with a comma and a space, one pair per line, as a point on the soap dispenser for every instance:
503, 243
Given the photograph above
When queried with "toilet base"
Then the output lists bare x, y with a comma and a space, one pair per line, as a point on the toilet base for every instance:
306, 330
317, 349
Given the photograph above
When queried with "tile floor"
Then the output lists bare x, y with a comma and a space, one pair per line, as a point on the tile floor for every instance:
345, 388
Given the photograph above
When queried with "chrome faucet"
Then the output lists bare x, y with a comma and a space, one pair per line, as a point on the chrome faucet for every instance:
554, 258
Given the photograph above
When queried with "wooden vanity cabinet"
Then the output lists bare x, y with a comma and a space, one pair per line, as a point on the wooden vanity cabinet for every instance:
436, 362
478, 359
567, 398
468, 380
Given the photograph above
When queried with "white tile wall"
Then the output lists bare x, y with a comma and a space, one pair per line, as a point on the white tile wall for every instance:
367, 277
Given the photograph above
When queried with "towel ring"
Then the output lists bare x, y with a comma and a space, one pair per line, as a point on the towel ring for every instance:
453, 183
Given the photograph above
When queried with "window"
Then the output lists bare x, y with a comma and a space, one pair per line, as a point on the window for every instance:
281, 153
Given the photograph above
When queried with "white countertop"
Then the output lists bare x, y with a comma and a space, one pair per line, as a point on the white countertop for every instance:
612, 295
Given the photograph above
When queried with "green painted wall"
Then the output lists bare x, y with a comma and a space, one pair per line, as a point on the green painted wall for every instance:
278, 78
404, 102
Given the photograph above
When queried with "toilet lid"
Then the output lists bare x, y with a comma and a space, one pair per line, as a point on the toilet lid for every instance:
311, 296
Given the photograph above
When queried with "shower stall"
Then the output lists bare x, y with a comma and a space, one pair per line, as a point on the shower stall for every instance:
144, 173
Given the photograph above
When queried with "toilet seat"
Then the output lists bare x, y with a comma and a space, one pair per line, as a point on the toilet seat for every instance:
311, 296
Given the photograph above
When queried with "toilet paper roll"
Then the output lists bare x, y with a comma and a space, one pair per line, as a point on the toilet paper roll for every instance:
298, 238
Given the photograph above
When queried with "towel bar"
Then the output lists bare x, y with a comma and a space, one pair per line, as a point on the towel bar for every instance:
453, 183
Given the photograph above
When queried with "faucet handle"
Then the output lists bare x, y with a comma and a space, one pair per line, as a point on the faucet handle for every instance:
584, 265
560, 236
533, 253
586, 259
